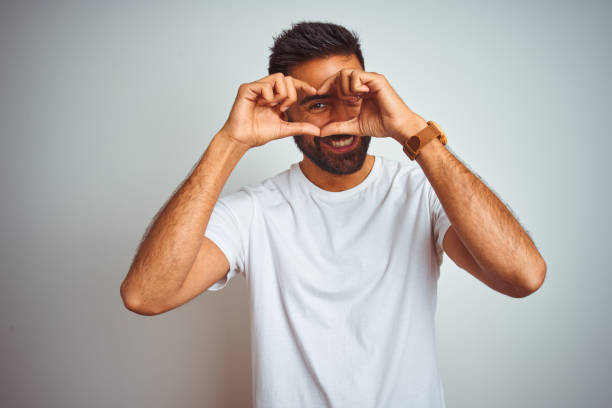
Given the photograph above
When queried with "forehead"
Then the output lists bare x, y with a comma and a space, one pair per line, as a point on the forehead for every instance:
317, 70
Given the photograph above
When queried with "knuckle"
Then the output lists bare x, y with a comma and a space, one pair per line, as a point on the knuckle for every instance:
281, 88
291, 92
243, 89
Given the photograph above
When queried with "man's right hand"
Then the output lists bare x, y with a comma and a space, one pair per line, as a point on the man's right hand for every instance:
256, 116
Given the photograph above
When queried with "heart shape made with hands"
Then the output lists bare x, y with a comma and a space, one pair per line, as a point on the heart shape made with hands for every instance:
382, 113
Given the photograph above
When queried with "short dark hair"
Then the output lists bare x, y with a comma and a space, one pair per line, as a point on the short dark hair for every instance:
310, 40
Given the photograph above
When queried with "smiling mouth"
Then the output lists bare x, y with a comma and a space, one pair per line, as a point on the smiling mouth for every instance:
340, 143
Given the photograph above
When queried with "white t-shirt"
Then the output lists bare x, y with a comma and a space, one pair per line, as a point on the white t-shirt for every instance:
342, 287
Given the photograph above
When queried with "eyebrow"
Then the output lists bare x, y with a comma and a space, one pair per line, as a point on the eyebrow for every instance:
314, 97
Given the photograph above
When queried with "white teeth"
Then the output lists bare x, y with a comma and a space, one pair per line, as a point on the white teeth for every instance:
344, 142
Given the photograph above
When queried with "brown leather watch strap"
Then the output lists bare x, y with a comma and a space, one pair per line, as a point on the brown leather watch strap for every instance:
414, 144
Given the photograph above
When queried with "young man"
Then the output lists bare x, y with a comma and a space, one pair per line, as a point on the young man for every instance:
342, 251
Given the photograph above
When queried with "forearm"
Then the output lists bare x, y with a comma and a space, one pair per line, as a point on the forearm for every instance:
174, 238
495, 239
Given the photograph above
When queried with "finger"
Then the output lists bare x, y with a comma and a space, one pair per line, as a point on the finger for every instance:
291, 94
304, 86
277, 81
344, 83
327, 84
356, 85
348, 127
280, 87
264, 93
297, 128
373, 81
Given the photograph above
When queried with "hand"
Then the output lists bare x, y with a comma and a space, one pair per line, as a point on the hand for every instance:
256, 116
382, 113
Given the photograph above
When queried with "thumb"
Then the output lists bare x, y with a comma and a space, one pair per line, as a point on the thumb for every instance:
297, 128
348, 127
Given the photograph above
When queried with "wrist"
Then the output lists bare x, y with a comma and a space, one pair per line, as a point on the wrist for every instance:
415, 143
231, 143
429, 152
414, 126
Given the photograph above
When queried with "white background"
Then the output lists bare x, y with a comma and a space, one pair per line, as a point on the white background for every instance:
105, 107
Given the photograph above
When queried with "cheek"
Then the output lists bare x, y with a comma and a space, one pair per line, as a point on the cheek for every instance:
308, 140
296, 114
353, 110
318, 119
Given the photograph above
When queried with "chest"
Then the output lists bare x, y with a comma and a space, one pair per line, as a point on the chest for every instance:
337, 248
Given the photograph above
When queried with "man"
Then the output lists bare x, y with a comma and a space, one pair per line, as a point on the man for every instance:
341, 252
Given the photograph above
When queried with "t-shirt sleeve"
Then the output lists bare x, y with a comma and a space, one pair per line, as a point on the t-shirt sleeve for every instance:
439, 219
228, 227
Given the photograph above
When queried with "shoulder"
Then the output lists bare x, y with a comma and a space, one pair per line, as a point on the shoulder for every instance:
401, 173
269, 190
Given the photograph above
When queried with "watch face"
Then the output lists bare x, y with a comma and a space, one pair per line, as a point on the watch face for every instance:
414, 143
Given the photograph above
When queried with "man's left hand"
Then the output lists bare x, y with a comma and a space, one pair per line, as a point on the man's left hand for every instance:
383, 113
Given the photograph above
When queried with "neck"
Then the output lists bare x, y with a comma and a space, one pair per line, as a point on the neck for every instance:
334, 182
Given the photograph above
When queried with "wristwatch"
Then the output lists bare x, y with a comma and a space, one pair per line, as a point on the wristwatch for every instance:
414, 144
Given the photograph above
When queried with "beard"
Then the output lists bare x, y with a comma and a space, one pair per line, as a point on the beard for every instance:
335, 163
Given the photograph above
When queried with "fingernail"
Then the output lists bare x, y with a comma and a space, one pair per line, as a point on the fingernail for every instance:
284, 108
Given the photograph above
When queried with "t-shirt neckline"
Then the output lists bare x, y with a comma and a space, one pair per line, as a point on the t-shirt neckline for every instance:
313, 188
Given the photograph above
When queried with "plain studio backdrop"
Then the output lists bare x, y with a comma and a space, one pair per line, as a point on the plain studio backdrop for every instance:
107, 106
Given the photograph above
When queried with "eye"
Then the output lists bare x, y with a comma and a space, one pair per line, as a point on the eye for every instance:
317, 106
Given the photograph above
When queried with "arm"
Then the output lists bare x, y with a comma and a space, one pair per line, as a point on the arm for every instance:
485, 239
175, 262
176, 236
